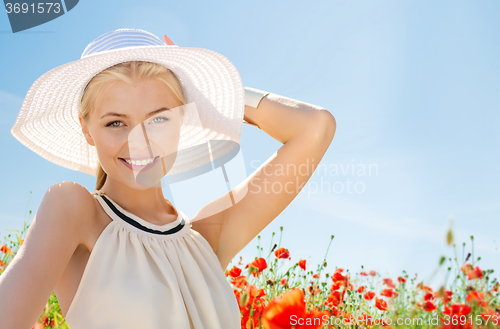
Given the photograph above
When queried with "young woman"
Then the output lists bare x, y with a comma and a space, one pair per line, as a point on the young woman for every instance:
124, 256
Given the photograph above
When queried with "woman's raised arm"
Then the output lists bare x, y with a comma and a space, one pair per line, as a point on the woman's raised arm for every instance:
306, 131
57, 229
285, 118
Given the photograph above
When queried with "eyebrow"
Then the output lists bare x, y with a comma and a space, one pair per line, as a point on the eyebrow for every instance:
125, 116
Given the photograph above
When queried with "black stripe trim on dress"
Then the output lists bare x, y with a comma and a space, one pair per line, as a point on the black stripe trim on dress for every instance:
138, 225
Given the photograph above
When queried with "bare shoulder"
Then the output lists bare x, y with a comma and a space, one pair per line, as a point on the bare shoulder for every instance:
76, 202
71, 192
58, 228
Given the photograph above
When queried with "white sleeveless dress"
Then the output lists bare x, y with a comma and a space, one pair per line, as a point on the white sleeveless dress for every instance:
142, 275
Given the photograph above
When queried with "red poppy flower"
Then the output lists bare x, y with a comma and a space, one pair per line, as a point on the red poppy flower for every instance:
476, 273
333, 299
429, 296
252, 303
348, 319
455, 313
366, 319
457, 309
447, 295
338, 276
240, 281
389, 293
429, 306
302, 264
477, 297
6, 250
389, 283
289, 311
259, 264
369, 295
471, 271
336, 285
282, 253
234, 272
381, 304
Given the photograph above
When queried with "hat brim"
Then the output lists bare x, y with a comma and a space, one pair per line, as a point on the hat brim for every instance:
48, 119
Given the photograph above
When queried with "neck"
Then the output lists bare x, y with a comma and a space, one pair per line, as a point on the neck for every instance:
148, 203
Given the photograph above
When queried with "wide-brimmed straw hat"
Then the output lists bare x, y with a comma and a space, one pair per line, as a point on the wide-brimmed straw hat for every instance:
48, 121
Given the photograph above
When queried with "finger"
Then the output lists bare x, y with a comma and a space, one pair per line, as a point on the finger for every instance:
167, 40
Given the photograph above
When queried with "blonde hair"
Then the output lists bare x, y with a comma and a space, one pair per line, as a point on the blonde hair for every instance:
128, 72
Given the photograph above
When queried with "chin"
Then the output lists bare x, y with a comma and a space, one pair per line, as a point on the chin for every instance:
140, 183
133, 183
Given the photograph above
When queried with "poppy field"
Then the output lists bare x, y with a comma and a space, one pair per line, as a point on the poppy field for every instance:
275, 293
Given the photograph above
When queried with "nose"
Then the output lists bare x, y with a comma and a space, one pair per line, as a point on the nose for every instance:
138, 140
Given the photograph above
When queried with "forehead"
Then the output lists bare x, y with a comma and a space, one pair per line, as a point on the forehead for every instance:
140, 96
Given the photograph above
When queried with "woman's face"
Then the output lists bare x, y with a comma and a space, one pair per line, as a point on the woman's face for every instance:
139, 123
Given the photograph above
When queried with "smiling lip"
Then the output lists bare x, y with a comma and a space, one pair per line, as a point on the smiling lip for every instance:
138, 158
141, 168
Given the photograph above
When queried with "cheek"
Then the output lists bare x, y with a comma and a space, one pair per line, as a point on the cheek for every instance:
167, 139
169, 135
108, 144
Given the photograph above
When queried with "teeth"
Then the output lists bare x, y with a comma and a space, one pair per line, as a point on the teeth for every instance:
139, 162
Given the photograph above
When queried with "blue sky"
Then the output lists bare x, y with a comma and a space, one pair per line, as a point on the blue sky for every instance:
414, 87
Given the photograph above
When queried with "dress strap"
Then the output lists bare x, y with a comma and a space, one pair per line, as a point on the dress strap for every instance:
117, 213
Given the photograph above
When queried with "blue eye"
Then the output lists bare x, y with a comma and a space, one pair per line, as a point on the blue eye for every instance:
163, 119
111, 124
